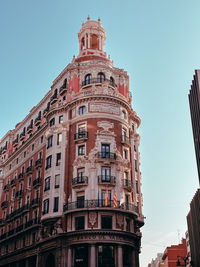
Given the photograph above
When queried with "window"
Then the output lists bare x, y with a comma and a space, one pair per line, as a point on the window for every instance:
24, 154
29, 181
127, 225
58, 159
100, 77
52, 122
47, 184
124, 114
125, 154
105, 151
17, 160
32, 147
42, 139
46, 206
106, 222
48, 162
80, 223
106, 256
56, 203
137, 188
126, 175
80, 175
81, 150
135, 148
50, 141
105, 174
59, 138
81, 128
57, 180
80, 201
88, 79
112, 82
136, 169
61, 119
82, 110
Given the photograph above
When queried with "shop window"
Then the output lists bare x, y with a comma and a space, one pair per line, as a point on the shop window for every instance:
81, 256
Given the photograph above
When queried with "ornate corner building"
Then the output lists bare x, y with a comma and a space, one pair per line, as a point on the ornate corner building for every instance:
70, 181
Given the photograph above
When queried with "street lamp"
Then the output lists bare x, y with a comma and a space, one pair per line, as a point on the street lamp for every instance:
185, 259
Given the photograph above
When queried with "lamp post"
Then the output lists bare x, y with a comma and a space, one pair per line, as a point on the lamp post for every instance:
185, 259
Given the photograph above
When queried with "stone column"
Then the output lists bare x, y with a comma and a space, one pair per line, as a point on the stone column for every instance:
69, 257
119, 256
89, 40
92, 256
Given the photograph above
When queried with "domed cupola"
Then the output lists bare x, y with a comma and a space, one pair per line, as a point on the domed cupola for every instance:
91, 39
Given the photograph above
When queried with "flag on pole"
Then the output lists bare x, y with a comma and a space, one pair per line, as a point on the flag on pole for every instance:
115, 200
98, 200
106, 198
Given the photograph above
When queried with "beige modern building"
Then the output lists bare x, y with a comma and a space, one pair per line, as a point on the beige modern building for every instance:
70, 181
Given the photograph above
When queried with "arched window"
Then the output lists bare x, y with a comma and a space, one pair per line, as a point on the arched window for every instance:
82, 110
100, 77
112, 82
88, 79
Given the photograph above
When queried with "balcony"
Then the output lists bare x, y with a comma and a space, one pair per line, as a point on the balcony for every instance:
21, 176
18, 212
30, 128
38, 120
6, 187
79, 181
15, 142
38, 163
126, 140
100, 203
53, 98
35, 202
13, 182
4, 148
128, 184
63, 89
47, 108
4, 204
107, 155
22, 136
37, 182
106, 179
29, 170
81, 136
98, 80
19, 193
19, 228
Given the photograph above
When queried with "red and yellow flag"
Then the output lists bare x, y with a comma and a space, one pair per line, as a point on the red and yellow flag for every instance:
106, 198
115, 200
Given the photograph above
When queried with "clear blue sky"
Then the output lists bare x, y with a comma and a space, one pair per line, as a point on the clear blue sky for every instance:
158, 43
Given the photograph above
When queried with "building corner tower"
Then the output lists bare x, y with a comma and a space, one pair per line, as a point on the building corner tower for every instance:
70, 179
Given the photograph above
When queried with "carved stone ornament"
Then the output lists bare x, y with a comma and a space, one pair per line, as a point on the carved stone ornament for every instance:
120, 219
105, 125
92, 218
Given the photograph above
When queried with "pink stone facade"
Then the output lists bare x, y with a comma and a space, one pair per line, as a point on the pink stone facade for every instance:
70, 180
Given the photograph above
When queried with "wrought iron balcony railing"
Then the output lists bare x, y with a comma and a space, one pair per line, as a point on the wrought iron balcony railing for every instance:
37, 182
81, 135
106, 155
100, 203
38, 163
82, 180
98, 80
29, 170
125, 139
106, 179
21, 176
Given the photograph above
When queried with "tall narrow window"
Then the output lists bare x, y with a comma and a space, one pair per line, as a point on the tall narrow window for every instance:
59, 138
103, 198
57, 181
88, 79
80, 201
52, 122
58, 159
50, 141
46, 206
61, 119
81, 150
82, 110
80, 223
100, 77
56, 203
105, 174
47, 184
48, 162
105, 151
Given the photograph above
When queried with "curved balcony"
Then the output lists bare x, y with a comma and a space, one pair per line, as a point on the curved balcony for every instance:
81, 136
21, 176
29, 170
6, 187
63, 89
107, 179
96, 81
30, 128
38, 163
37, 120
53, 98
128, 184
15, 142
37, 182
79, 181
13, 182
99, 204
22, 136
35, 202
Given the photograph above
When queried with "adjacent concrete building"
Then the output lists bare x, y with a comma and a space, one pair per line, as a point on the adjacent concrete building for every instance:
70, 181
